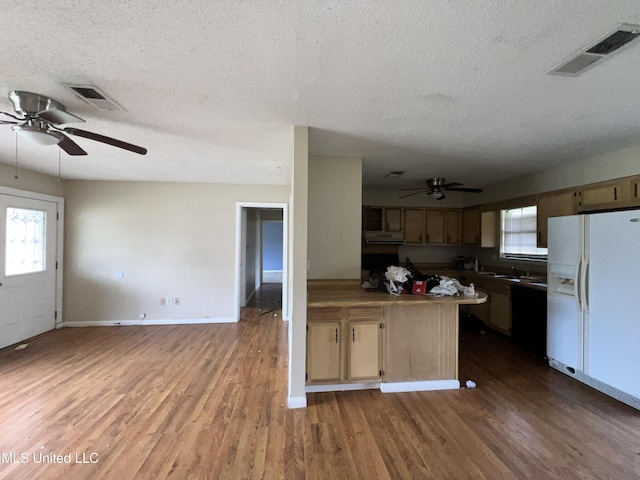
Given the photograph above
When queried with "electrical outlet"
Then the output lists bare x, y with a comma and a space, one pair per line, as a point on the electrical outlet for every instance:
162, 301
143, 316
169, 300
176, 301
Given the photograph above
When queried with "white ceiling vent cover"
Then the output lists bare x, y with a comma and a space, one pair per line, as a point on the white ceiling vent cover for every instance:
94, 97
604, 46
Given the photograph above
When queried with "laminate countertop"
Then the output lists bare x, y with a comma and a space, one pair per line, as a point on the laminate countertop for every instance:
347, 293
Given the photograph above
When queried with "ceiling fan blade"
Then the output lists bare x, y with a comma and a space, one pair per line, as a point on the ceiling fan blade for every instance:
108, 140
420, 188
463, 189
57, 115
449, 185
414, 193
69, 146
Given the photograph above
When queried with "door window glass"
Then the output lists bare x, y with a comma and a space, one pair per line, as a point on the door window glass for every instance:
25, 242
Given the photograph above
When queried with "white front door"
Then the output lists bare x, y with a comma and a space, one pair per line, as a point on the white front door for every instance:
28, 243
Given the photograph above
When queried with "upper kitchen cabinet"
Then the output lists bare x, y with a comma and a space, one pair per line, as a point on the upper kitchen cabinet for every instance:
471, 226
554, 204
479, 228
435, 226
453, 227
382, 219
393, 219
601, 196
632, 191
414, 223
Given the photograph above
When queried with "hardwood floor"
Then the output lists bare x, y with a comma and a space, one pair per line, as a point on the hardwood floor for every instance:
209, 402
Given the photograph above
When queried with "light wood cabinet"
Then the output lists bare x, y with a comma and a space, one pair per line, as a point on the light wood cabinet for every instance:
600, 196
382, 219
323, 351
500, 312
365, 340
555, 204
435, 226
496, 312
393, 219
471, 227
344, 344
414, 225
489, 229
454, 227
421, 343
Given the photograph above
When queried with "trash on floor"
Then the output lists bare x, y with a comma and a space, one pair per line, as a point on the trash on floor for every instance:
22, 346
470, 384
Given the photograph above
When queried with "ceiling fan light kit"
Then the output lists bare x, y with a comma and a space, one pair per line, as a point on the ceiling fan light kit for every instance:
37, 134
39, 118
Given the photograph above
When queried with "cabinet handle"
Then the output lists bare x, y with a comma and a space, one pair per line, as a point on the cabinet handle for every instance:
420, 239
635, 190
539, 236
353, 334
615, 193
336, 334
427, 238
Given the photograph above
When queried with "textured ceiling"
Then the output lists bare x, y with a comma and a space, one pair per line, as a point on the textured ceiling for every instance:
436, 88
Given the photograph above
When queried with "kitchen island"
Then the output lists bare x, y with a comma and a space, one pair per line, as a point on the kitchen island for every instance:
358, 339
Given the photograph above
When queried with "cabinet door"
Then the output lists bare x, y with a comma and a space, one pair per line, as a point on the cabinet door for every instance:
633, 195
500, 312
552, 205
364, 350
323, 351
604, 195
471, 227
413, 225
435, 226
453, 226
393, 219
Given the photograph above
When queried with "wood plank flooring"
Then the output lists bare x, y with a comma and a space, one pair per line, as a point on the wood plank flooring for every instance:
209, 402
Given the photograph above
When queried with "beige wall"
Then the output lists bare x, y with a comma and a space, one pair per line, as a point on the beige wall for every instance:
335, 211
621, 163
169, 240
30, 181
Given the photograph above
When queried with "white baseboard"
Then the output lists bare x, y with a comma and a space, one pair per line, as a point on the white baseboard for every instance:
297, 402
396, 387
146, 321
341, 387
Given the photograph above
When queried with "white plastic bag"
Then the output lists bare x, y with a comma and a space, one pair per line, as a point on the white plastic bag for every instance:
397, 274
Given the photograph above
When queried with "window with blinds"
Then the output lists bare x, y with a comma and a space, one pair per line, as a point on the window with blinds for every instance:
518, 234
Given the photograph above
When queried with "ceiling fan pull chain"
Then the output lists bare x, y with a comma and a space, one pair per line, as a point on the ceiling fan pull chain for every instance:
16, 174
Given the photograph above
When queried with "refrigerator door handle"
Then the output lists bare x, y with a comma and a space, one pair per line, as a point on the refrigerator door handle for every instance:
583, 285
576, 285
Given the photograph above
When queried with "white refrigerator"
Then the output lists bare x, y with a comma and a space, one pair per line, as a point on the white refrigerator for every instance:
593, 301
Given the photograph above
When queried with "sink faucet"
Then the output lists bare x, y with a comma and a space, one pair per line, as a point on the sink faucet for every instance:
518, 273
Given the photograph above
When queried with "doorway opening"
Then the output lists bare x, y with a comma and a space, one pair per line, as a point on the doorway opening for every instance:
261, 258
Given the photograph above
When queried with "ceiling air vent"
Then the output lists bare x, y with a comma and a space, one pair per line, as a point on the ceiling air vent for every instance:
94, 97
586, 57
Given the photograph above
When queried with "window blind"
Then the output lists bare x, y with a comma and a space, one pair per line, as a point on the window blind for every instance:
519, 234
